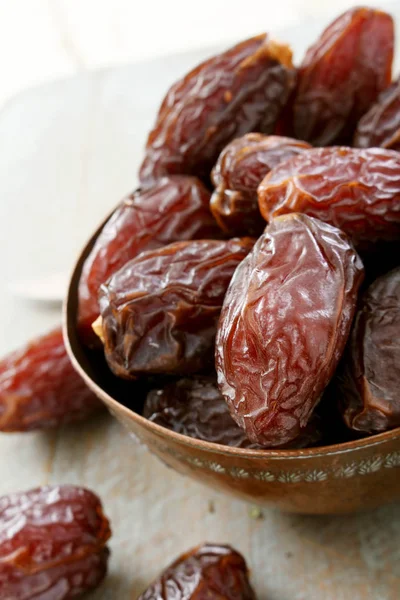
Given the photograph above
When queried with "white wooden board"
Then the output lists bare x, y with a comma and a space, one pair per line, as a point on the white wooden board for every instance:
68, 152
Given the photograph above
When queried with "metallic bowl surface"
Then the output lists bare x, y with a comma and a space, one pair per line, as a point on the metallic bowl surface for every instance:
340, 478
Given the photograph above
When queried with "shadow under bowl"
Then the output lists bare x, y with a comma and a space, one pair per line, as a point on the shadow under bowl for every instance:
341, 478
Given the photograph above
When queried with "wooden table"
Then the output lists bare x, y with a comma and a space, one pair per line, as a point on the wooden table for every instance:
68, 152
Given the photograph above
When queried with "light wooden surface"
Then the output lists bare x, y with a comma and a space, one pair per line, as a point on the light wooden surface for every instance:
68, 152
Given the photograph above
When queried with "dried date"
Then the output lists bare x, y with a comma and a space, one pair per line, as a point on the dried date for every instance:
380, 126
356, 190
160, 311
39, 387
174, 209
370, 381
342, 75
240, 90
195, 407
208, 571
52, 543
284, 324
240, 168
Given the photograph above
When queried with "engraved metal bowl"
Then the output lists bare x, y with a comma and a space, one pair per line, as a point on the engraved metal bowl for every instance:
340, 478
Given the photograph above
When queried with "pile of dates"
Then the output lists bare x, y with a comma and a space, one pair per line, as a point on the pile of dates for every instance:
251, 284
254, 277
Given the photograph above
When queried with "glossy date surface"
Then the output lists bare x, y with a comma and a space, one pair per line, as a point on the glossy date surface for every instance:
160, 311
342, 75
39, 388
240, 90
209, 571
239, 170
380, 126
370, 383
175, 208
52, 543
354, 189
284, 324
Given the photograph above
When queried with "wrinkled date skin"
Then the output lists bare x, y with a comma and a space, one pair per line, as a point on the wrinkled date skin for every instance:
209, 572
342, 75
355, 190
174, 209
240, 168
160, 311
370, 383
284, 323
240, 90
380, 126
52, 543
195, 407
39, 388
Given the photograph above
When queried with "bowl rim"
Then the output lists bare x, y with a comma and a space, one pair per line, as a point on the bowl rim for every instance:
69, 324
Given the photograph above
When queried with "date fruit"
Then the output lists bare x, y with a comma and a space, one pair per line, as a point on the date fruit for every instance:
195, 407
380, 126
370, 381
355, 190
52, 543
240, 168
174, 209
39, 387
342, 75
243, 89
284, 324
208, 571
160, 311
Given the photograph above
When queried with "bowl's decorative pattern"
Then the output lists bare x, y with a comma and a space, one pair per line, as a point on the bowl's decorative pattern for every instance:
350, 469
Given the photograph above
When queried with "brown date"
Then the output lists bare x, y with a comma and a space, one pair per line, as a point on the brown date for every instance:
240, 90
240, 168
52, 543
39, 387
195, 407
370, 381
160, 311
175, 208
284, 325
209, 572
380, 126
342, 75
356, 190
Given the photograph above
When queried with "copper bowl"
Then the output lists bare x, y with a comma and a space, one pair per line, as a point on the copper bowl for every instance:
340, 478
